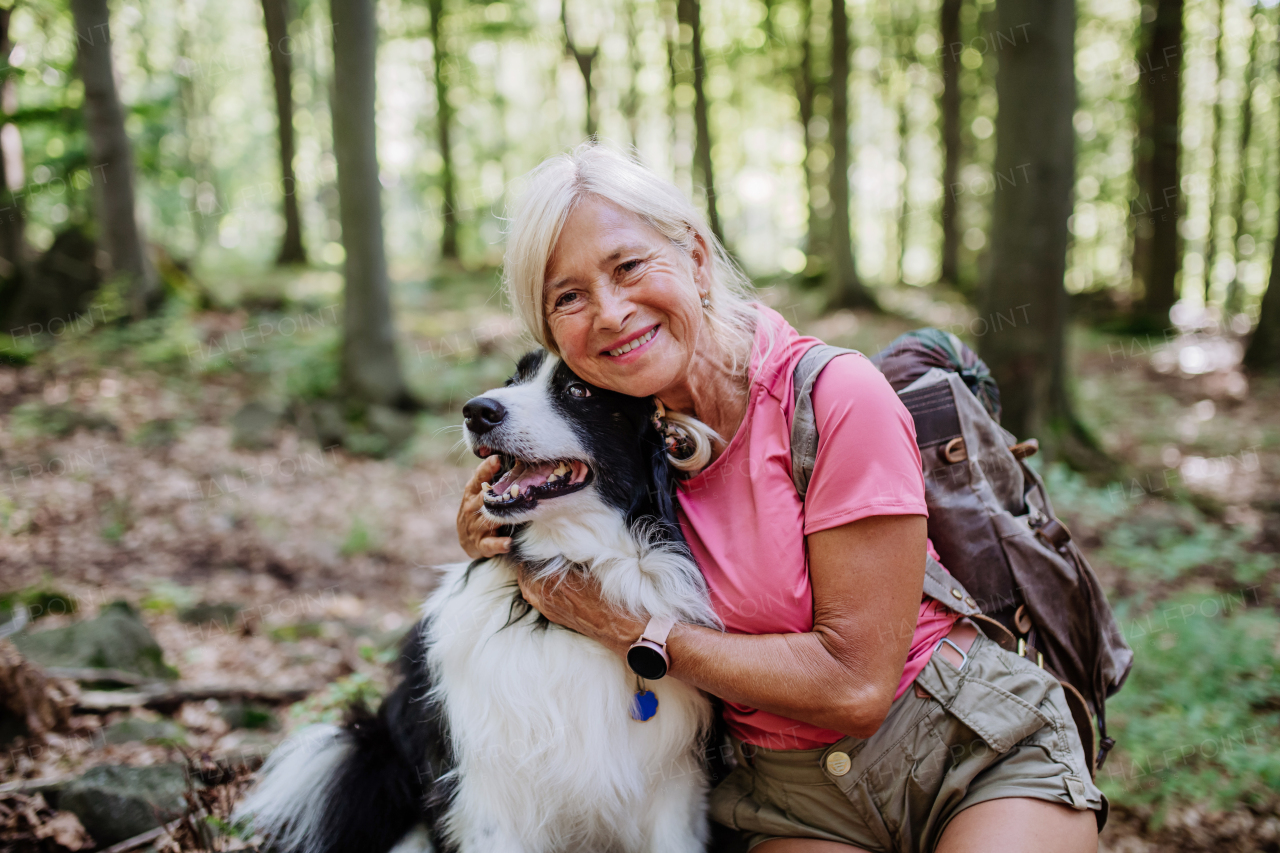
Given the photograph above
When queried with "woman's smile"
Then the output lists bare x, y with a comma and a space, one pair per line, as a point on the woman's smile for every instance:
630, 349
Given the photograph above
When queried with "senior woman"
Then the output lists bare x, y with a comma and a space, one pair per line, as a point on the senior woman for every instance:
845, 734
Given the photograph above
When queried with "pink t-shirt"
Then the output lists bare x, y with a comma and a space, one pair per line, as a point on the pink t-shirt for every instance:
746, 524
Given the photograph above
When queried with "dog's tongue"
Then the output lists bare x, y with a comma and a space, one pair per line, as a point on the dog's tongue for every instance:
524, 476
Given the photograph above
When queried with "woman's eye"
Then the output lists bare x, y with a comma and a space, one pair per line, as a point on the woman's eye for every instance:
577, 389
628, 266
566, 299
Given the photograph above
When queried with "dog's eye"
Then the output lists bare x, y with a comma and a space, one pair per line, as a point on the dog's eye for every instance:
577, 389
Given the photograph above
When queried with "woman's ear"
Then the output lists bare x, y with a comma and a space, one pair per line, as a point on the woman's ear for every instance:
700, 254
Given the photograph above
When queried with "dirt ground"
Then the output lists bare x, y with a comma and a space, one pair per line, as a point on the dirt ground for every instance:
325, 555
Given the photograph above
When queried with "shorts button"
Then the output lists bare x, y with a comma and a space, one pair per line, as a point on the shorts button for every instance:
956, 593
838, 763
969, 601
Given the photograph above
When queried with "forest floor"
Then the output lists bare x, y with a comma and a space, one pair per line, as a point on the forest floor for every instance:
125, 478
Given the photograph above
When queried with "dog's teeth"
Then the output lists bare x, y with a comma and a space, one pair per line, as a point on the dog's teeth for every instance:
484, 487
514, 491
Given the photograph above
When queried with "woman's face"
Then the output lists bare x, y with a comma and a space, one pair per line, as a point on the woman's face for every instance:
615, 283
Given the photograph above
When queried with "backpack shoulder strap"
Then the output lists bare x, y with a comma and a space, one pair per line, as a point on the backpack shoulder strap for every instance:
939, 584
804, 426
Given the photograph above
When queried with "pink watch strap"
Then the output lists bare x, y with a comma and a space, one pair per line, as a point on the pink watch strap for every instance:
658, 629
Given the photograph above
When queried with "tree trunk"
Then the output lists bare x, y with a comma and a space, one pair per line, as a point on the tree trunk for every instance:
949, 30
208, 204
13, 243
276, 15
673, 80
1214, 250
1024, 301
806, 91
1157, 249
1263, 353
907, 58
631, 100
844, 288
585, 60
904, 158
444, 118
1235, 290
690, 12
111, 157
370, 367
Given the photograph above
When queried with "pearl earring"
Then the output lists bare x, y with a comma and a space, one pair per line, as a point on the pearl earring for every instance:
706, 302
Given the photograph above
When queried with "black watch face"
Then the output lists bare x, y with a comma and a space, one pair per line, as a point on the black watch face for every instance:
646, 663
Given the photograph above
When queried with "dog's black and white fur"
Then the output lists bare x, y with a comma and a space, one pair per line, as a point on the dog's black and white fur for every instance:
508, 733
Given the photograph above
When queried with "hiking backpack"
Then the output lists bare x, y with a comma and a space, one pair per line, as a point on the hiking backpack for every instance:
1012, 563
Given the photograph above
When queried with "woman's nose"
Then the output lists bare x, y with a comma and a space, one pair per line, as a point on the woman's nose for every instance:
613, 307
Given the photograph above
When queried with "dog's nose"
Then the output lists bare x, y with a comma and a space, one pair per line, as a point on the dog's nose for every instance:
483, 414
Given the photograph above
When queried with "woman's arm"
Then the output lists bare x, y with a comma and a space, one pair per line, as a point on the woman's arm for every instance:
867, 578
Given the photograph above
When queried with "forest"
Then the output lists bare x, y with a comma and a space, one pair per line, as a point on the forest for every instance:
250, 270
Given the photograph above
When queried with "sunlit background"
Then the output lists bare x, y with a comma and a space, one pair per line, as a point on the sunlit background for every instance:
274, 527
196, 76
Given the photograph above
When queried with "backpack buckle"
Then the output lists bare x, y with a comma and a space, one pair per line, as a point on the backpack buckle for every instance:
1023, 449
964, 658
954, 450
1022, 652
1055, 533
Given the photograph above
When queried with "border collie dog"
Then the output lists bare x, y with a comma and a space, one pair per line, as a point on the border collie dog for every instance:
507, 732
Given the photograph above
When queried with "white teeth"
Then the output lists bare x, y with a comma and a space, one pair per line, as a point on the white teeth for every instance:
563, 473
638, 342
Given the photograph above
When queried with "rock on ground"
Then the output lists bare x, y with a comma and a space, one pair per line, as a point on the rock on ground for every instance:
115, 639
115, 802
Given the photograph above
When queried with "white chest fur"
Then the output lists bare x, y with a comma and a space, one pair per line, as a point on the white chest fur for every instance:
548, 756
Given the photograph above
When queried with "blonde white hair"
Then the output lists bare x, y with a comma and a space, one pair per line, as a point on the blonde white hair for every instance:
551, 193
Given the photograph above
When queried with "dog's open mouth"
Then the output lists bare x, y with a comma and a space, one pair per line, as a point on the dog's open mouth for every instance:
523, 483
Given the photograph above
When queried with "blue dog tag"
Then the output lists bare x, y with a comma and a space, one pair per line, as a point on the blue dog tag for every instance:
644, 705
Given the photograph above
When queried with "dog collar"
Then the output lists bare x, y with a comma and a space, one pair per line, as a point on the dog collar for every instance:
648, 656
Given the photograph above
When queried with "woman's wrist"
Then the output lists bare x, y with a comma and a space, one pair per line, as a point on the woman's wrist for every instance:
624, 634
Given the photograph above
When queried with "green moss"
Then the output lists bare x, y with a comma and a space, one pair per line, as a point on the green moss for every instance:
332, 704
39, 601
360, 539
298, 631
1197, 720
115, 639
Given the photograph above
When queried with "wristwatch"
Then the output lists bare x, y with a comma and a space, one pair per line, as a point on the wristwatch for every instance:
648, 656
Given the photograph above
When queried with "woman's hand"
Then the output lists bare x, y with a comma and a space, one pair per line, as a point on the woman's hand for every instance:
475, 531
575, 601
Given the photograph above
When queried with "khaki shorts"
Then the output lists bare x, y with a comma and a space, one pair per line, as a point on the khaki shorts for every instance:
1000, 727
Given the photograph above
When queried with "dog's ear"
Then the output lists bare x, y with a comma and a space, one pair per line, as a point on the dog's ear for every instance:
661, 488
663, 483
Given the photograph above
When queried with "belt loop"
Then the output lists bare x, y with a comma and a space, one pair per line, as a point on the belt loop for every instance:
1076, 789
